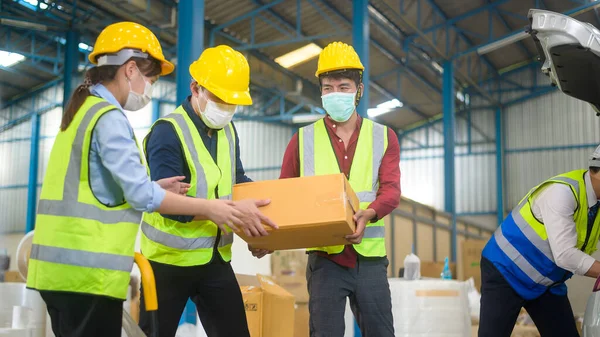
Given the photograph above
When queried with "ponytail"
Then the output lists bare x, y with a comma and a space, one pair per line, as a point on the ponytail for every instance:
93, 76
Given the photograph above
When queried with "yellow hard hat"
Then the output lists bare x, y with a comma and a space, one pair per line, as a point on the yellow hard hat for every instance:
129, 35
225, 73
338, 56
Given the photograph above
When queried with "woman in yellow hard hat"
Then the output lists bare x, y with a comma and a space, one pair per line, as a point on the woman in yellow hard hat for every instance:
96, 189
191, 257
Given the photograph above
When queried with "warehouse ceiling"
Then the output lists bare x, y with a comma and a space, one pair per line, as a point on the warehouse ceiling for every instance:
410, 42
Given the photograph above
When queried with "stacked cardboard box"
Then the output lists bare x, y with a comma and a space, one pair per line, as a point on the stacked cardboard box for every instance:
432, 269
289, 271
269, 307
469, 264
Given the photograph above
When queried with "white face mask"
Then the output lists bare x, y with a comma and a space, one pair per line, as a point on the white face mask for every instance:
137, 101
216, 115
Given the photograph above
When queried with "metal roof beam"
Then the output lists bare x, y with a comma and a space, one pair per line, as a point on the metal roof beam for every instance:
572, 12
507, 26
385, 51
444, 56
373, 83
461, 17
468, 41
22, 73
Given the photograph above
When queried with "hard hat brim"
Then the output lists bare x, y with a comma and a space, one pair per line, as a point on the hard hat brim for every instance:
323, 71
231, 97
166, 67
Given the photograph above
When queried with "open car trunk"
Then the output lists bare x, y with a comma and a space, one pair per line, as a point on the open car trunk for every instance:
570, 53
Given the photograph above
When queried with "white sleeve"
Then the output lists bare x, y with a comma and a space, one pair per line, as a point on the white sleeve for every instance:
555, 205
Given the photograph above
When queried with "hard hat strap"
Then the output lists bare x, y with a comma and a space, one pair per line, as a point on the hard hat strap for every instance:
120, 57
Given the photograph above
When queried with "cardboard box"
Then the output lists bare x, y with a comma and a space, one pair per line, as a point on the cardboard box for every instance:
310, 211
289, 271
518, 331
13, 276
269, 308
471, 259
301, 325
434, 269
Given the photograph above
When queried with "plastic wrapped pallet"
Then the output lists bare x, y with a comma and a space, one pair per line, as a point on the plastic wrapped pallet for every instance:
21, 310
430, 308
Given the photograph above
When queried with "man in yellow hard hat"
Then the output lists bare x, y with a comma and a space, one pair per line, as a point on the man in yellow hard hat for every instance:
340, 141
190, 256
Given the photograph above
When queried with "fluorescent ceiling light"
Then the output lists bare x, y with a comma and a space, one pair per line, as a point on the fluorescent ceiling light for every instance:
384, 108
460, 96
437, 67
84, 46
34, 3
502, 43
306, 118
10, 59
299, 55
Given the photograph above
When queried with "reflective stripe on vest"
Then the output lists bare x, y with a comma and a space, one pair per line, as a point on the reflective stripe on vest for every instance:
366, 162
178, 242
520, 245
70, 251
179, 249
81, 258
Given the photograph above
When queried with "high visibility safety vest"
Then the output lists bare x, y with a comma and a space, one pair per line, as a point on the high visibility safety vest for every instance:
80, 245
520, 250
317, 157
190, 244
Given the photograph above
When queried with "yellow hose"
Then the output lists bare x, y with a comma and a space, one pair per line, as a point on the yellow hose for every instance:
148, 283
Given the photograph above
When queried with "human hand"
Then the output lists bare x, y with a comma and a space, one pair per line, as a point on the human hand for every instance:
252, 218
224, 213
259, 253
174, 184
362, 217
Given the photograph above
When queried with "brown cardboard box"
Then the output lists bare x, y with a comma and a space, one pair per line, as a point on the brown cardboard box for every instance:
289, 271
471, 258
12, 276
301, 328
269, 308
310, 211
518, 331
434, 269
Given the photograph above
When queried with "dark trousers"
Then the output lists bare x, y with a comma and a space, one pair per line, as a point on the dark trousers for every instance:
500, 307
83, 315
212, 287
329, 284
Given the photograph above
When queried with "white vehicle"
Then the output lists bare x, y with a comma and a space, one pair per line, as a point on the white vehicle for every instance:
570, 52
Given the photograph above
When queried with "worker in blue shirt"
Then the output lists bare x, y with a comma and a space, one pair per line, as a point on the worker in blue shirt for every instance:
190, 256
96, 188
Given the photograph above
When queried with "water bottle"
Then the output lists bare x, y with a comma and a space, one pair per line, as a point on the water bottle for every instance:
446, 273
412, 267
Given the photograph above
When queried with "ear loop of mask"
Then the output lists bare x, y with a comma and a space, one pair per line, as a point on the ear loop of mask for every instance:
197, 98
358, 91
